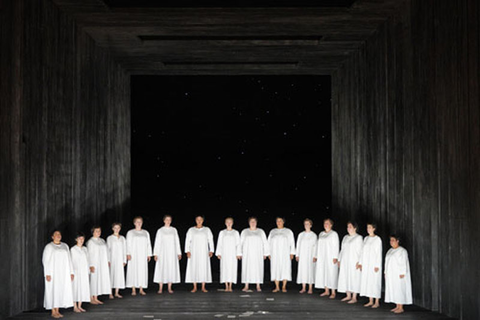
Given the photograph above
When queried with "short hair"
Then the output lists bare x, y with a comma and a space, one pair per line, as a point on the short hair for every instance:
309, 221
396, 237
329, 220
374, 225
166, 216
229, 218
137, 218
79, 235
282, 218
55, 230
200, 215
95, 227
354, 224
116, 224
252, 218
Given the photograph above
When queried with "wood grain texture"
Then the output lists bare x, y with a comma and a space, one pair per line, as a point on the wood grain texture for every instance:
65, 141
406, 146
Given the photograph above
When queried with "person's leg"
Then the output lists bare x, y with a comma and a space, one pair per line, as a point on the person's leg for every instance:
277, 286
117, 293
80, 307
110, 296
142, 292
303, 288
334, 294
377, 303
284, 287
75, 307
348, 297
399, 309
170, 287
134, 291
259, 288
194, 287
394, 309
370, 303
310, 288
204, 289
98, 301
160, 288
354, 298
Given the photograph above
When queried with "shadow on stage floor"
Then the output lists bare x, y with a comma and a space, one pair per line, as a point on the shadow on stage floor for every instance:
237, 305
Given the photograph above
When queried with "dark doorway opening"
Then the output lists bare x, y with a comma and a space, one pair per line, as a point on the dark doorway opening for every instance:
231, 146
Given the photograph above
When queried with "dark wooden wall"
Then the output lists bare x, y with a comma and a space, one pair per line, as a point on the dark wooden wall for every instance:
65, 141
406, 146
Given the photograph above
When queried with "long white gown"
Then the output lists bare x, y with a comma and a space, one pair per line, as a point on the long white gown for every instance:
371, 283
306, 248
254, 246
139, 248
228, 248
326, 272
199, 242
282, 245
58, 265
167, 249
81, 283
398, 290
349, 277
98, 258
117, 256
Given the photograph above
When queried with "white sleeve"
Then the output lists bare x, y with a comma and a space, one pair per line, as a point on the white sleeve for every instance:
156, 246
219, 244
149, 245
129, 243
47, 260
238, 244
177, 244
210, 240
109, 249
188, 240
242, 240
266, 245
336, 247
299, 245
124, 250
291, 241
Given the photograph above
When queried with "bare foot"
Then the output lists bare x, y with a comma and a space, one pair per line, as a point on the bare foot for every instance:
143, 293
110, 296
310, 291
394, 309
346, 299
170, 291
83, 310
259, 289
399, 311
61, 315
134, 293
204, 290
325, 294
375, 306
99, 302
118, 296
193, 290
93, 302
77, 310
159, 292
284, 290
245, 289
275, 290
332, 296
352, 301
368, 304
303, 291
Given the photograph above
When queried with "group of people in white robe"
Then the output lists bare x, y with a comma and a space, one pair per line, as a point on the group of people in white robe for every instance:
81, 274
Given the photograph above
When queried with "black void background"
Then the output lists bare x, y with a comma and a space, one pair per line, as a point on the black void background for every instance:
235, 146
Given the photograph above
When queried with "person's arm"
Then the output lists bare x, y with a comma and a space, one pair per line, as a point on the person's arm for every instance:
218, 253
124, 250
377, 259
149, 246
238, 245
156, 246
47, 262
242, 243
188, 240
109, 250
335, 247
211, 244
129, 244
266, 245
402, 261
299, 246
291, 242
70, 264
177, 245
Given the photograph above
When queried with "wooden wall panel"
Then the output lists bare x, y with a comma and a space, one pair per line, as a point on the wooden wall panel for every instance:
65, 141
406, 145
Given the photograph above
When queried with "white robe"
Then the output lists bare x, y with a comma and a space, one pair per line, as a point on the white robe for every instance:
81, 282
167, 249
371, 283
306, 248
98, 258
199, 243
326, 272
117, 256
397, 290
282, 245
254, 246
58, 265
228, 248
139, 248
349, 277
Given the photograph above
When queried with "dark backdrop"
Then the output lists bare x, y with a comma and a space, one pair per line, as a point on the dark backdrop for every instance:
230, 146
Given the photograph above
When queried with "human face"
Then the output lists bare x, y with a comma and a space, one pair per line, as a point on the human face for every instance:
138, 223
394, 243
167, 221
351, 229
280, 223
116, 229
307, 225
229, 223
253, 224
80, 241
57, 237
199, 221
370, 230
327, 225
97, 233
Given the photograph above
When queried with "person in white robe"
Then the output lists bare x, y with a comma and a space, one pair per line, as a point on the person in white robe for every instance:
59, 275
98, 261
398, 282
282, 251
199, 248
228, 252
81, 282
117, 259
254, 250
306, 248
371, 267
167, 254
326, 257
139, 254
349, 277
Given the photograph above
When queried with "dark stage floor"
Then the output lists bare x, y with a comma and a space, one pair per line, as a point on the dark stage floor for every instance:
220, 305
